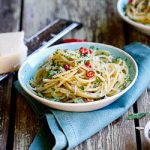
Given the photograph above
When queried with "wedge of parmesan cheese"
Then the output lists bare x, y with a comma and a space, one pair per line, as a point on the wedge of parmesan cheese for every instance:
12, 51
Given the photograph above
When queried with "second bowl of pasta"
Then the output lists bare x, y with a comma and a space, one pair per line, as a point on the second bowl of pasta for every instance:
136, 13
78, 76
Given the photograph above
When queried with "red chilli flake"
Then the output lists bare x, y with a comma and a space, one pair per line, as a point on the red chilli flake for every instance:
88, 64
90, 51
67, 67
85, 51
90, 74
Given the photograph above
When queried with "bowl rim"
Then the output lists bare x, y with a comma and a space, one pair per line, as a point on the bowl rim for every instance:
44, 100
127, 19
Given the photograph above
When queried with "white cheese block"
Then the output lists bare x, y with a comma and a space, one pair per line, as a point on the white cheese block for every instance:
12, 51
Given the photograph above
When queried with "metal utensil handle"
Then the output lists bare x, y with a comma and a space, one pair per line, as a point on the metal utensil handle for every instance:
50, 34
56, 37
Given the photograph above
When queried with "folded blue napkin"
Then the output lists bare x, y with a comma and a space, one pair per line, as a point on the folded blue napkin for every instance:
70, 128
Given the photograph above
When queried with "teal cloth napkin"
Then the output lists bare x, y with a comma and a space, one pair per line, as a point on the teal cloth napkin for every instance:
69, 128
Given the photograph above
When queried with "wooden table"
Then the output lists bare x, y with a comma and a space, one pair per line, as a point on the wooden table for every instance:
18, 125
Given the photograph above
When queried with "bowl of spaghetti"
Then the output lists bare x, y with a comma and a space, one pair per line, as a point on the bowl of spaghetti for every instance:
136, 13
81, 76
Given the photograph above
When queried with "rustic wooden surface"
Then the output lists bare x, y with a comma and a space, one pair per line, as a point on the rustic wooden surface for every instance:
9, 21
101, 24
5, 101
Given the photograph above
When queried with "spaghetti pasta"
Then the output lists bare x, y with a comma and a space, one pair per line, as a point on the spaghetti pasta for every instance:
83, 75
139, 11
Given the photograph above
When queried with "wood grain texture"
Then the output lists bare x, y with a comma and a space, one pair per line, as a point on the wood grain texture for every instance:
9, 19
5, 101
133, 35
26, 125
9, 15
96, 15
143, 106
117, 136
99, 26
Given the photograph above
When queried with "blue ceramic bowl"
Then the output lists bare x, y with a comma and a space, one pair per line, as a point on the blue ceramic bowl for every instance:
121, 5
30, 66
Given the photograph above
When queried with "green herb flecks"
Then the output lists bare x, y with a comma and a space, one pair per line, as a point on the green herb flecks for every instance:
39, 94
51, 73
97, 80
82, 88
126, 83
55, 100
79, 62
91, 47
116, 60
102, 52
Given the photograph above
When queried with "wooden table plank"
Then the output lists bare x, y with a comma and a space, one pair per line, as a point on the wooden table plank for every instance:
113, 137
133, 35
100, 26
9, 15
5, 101
9, 19
143, 104
26, 126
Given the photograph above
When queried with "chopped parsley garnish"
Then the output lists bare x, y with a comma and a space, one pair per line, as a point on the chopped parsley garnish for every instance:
51, 73
82, 88
115, 60
97, 80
